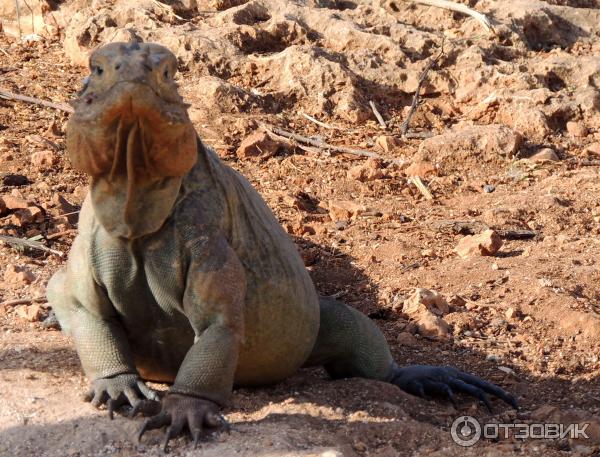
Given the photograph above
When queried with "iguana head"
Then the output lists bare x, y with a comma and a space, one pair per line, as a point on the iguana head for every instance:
131, 133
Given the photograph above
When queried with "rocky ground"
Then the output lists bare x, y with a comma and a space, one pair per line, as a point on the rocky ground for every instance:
472, 241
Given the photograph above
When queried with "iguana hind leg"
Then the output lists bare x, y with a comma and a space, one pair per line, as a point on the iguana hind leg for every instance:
350, 345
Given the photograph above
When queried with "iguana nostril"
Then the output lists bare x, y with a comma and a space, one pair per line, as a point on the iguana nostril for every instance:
117, 66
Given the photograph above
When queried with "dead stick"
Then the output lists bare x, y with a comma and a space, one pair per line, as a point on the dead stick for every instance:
377, 114
29, 243
59, 234
36, 101
453, 6
318, 122
323, 145
22, 301
415, 100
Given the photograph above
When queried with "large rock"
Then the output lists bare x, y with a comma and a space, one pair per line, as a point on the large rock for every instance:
456, 150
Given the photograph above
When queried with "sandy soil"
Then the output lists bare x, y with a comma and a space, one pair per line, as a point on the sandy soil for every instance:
527, 318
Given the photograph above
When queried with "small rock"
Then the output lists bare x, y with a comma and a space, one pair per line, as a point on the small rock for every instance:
32, 313
257, 145
44, 159
545, 154
432, 326
592, 150
487, 244
488, 188
407, 339
368, 171
420, 168
67, 208
425, 307
359, 446
387, 142
457, 301
14, 274
543, 412
25, 216
427, 299
12, 202
577, 129
80, 192
512, 313
340, 210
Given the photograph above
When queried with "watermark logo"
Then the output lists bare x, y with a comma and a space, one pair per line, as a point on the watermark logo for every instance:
466, 431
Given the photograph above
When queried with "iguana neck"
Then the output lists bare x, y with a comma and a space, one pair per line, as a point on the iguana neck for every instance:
131, 211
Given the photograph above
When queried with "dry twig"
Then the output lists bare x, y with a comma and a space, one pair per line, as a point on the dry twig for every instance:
415, 100
318, 122
416, 180
460, 8
377, 114
36, 101
29, 243
320, 144
22, 301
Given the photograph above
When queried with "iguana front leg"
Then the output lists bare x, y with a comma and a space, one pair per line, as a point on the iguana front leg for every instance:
213, 302
86, 313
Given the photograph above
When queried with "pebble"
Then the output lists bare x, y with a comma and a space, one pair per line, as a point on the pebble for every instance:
387, 142
488, 188
44, 159
545, 154
340, 210
487, 243
577, 129
14, 274
257, 145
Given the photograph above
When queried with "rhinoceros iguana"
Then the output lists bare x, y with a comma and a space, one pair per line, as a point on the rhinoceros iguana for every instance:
180, 272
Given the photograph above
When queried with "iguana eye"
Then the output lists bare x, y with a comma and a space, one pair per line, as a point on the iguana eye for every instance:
166, 74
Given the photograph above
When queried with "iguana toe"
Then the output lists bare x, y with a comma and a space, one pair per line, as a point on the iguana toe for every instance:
181, 412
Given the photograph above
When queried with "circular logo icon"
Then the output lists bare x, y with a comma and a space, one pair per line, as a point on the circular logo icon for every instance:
465, 431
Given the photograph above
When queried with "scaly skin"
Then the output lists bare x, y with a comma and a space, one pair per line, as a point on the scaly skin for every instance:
181, 273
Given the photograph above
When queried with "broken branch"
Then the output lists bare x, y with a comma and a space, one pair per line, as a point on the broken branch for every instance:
318, 122
29, 243
415, 100
452, 6
377, 114
21, 301
36, 101
320, 144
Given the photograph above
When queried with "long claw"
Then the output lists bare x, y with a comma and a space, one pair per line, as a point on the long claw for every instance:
158, 421
489, 388
111, 406
169, 435
196, 434
474, 391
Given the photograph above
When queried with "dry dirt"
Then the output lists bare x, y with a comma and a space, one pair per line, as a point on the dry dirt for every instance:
527, 318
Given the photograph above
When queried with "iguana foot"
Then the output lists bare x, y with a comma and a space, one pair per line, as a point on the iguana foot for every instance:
424, 380
117, 391
181, 411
